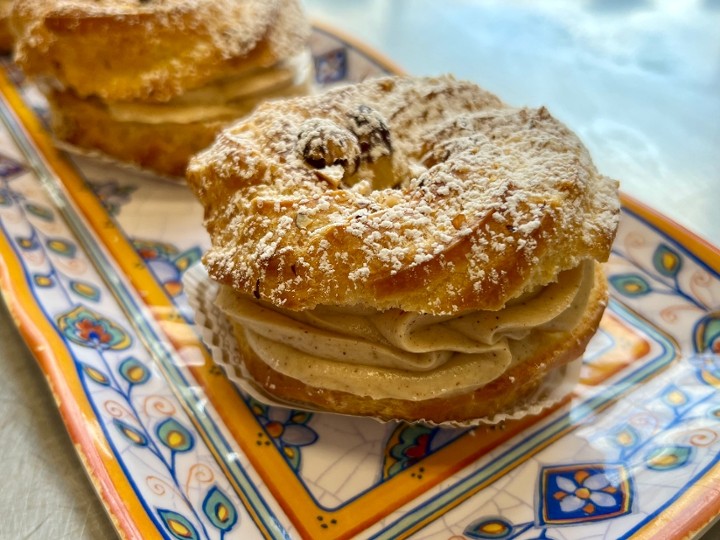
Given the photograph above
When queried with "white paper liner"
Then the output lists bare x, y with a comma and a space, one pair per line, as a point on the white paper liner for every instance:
39, 101
216, 331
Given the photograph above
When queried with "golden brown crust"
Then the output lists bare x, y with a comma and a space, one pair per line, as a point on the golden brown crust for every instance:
129, 50
164, 148
503, 395
485, 201
7, 39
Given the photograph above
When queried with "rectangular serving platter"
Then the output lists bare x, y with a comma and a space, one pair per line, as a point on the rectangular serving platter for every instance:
93, 256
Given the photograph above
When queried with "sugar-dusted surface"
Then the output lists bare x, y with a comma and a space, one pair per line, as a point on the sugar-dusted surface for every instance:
453, 201
154, 49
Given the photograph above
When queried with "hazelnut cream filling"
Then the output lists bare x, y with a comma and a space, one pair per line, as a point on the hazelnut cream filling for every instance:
229, 97
403, 355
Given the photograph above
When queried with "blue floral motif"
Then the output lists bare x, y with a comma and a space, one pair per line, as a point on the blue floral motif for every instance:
134, 435
178, 525
667, 261
630, 285
625, 436
331, 66
708, 368
584, 492
408, 444
570, 494
674, 397
91, 329
95, 375
9, 167
134, 371
27, 244
87, 291
39, 211
220, 510
668, 457
168, 264
175, 436
43, 281
288, 429
489, 528
662, 277
707, 334
62, 247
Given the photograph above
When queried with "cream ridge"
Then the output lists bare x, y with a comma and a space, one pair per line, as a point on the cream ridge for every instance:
404, 355
229, 97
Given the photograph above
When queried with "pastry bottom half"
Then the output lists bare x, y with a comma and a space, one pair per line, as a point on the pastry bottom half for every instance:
163, 147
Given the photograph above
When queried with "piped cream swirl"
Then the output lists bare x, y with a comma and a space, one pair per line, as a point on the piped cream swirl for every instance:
406, 355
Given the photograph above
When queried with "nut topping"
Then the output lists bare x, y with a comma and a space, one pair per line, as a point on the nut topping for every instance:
322, 143
372, 133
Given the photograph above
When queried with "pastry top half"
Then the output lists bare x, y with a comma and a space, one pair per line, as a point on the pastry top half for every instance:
426, 195
6, 36
153, 50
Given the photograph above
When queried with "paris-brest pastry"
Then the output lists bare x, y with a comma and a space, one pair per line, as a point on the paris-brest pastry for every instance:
406, 248
151, 82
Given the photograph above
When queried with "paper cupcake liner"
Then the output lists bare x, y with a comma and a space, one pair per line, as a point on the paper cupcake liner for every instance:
216, 331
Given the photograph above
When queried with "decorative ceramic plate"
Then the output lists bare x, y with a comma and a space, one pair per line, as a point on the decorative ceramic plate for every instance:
92, 260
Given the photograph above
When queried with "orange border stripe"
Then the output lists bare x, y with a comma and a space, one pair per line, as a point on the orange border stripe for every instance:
695, 510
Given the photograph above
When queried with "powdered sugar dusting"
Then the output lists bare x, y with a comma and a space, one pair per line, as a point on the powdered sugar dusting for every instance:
473, 201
